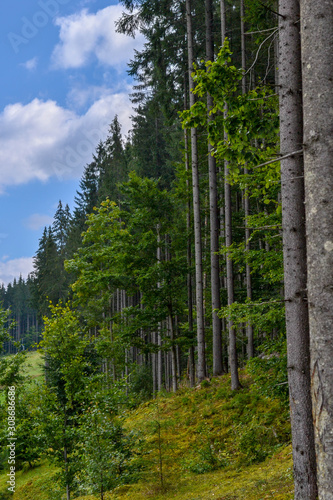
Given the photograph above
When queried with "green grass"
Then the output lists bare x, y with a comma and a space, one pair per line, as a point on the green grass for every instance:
33, 366
213, 444
31, 484
271, 479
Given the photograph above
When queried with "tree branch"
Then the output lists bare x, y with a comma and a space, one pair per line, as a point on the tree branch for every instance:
294, 153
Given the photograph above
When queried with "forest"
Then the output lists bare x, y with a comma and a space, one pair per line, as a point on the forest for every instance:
181, 314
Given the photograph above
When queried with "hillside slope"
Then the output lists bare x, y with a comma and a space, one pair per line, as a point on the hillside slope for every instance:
198, 444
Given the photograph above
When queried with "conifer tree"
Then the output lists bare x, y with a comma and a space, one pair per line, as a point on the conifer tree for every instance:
317, 73
294, 251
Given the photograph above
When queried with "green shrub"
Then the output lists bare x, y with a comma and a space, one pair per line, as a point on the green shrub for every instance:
269, 372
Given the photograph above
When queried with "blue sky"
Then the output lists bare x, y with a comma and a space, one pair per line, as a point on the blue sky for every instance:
63, 80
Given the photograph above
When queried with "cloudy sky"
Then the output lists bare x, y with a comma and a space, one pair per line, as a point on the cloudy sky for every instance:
63, 79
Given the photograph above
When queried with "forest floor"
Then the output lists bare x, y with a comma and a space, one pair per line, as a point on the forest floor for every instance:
199, 444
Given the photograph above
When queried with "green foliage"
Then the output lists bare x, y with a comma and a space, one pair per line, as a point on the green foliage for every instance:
69, 369
10, 369
141, 384
119, 251
211, 428
4, 334
107, 452
269, 371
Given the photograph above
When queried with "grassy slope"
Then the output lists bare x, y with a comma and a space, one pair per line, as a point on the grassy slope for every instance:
223, 435
34, 364
33, 367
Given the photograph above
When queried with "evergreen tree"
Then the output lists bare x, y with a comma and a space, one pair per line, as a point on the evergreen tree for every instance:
317, 73
112, 163
294, 250
60, 226
48, 278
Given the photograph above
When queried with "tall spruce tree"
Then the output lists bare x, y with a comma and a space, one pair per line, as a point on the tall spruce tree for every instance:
213, 212
294, 251
317, 72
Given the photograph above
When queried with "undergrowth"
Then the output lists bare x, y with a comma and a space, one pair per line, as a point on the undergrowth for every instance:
202, 443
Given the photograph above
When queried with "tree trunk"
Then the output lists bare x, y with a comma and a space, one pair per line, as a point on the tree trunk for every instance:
173, 353
191, 360
201, 372
317, 71
233, 362
249, 327
214, 214
294, 252
243, 52
159, 339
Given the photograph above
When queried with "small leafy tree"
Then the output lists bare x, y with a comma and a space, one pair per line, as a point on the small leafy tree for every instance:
107, 451
65, 345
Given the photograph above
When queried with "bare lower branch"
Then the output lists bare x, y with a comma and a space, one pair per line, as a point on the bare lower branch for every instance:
257, 54
259, 31
294, 153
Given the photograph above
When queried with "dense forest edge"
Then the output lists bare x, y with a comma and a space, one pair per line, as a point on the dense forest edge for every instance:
175, 315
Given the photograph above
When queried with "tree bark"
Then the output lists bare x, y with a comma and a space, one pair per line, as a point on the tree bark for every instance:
243, 46
294, 251
249, 327
173, 352
201, 371
317, 71
233, 362
159, 338
214, 214
191, 359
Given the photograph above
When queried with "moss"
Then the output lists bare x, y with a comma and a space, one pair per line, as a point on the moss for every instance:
213, 443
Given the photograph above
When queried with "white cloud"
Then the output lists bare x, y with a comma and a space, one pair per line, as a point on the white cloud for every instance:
13, 268
38, 221
84, 35
41, 139
31, 64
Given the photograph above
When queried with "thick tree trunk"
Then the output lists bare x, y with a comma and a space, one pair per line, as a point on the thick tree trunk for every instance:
317, 71
294, 252
214, 214
201, 371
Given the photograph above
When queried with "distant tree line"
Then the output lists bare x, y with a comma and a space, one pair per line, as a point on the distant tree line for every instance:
25, 323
